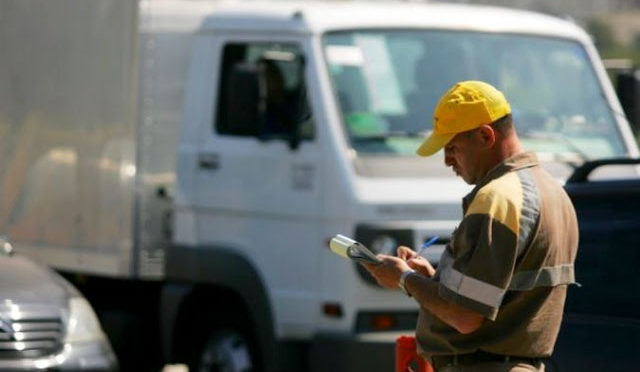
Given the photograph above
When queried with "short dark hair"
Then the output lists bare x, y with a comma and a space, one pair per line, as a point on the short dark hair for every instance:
504, 124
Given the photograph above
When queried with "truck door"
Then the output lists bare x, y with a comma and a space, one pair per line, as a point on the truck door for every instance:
258, 172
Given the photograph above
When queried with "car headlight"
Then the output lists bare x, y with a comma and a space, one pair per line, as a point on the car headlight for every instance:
381, 239
384, 244
83, 325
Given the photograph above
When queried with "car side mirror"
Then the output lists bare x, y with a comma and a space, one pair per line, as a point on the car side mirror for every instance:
628, 90
281, 79
244, 102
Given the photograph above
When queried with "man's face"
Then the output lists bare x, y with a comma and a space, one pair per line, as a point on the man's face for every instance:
463, 156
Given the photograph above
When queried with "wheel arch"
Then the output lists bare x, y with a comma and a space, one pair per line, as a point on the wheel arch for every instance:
212, 282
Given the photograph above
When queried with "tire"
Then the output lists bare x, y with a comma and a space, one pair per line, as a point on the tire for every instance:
225, 351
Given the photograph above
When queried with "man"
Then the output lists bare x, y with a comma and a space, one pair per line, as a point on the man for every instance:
495, 302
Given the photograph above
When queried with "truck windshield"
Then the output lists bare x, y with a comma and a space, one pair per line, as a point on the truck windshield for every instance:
387, 84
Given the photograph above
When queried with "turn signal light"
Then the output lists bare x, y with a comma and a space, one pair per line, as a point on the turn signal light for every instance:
332, 310
382, 322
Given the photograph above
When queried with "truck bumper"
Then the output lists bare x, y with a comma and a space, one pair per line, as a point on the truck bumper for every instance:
80, 357
360, 352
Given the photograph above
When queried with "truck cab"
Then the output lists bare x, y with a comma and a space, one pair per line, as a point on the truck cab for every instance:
260, 190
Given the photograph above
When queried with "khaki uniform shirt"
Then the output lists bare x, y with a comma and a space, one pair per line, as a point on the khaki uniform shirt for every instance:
510, 259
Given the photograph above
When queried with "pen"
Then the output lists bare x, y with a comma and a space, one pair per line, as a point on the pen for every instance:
428, 243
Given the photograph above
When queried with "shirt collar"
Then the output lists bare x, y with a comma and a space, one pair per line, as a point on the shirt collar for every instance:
513, 163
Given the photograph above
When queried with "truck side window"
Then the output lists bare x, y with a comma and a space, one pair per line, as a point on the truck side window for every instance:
262, 92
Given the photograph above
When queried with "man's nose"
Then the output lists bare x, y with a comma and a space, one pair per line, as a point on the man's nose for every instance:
449, 160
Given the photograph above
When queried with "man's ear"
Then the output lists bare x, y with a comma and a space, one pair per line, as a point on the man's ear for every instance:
487, 135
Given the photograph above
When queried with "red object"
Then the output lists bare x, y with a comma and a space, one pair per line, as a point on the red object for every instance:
407, 357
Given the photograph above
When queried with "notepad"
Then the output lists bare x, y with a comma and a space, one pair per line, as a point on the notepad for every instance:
349, 248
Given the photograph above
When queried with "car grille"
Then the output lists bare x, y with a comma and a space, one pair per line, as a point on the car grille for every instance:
27, 333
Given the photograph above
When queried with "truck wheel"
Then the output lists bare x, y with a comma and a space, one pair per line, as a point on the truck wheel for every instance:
225, 351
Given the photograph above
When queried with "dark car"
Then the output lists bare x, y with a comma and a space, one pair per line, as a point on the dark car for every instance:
601, 328
45, 324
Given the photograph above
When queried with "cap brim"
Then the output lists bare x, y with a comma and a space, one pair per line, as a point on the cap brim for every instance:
434, 143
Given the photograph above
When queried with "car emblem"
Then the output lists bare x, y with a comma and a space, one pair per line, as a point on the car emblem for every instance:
6, 327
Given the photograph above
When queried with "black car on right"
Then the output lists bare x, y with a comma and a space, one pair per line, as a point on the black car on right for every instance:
601, 327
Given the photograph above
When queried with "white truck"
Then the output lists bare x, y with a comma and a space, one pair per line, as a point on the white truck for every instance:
185, 163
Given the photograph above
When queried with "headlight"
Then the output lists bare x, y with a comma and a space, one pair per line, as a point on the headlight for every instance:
381, 239
384, 244
83, 325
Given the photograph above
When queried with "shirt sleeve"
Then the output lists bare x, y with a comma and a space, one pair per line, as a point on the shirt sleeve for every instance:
477, 267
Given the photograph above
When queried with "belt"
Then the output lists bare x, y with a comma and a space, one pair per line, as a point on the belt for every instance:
478, 357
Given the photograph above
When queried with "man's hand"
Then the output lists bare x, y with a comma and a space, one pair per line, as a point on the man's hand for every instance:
423, 290
406, 253
388, 272
418, 263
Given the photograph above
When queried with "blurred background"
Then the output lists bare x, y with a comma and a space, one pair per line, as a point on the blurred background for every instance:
101, 181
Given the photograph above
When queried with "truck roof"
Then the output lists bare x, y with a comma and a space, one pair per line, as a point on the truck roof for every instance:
319, 17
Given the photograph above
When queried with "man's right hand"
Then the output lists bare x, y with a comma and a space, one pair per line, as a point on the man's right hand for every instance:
418, 263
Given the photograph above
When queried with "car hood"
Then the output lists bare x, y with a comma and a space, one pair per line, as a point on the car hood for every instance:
22, 281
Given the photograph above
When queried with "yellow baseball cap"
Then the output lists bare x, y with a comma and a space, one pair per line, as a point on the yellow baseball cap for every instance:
465, 106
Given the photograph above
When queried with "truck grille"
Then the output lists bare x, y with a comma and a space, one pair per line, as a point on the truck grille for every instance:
29, 335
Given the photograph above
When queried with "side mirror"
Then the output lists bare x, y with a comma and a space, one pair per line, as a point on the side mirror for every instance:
266, 99
243, 101
286, 107
628, 90
5, 247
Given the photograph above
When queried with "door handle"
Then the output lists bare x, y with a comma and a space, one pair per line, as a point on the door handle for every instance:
208, 160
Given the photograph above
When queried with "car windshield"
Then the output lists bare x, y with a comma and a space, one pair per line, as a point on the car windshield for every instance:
387, 84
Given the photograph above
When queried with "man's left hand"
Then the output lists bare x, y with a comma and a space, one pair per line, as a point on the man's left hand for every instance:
388, 272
